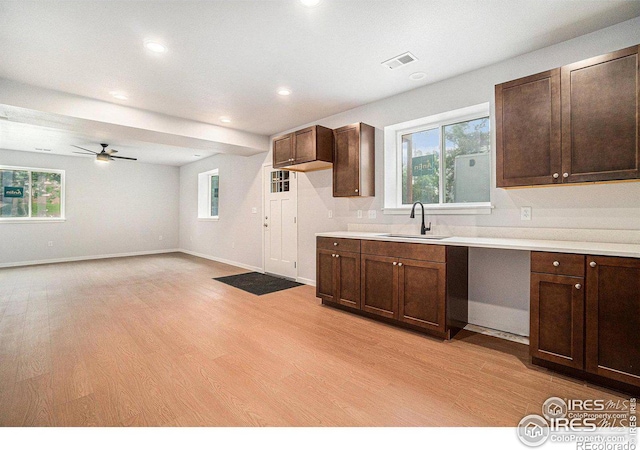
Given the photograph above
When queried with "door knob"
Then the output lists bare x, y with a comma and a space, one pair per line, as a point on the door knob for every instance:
565, 175
556, 175
578, 286
592, 264
556, 264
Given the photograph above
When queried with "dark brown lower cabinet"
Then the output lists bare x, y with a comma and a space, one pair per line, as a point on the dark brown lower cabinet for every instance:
557, 319
379, 285
338, 277
588, 325
613, 318
422, 293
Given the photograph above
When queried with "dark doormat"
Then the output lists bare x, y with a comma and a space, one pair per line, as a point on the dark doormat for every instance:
258, 283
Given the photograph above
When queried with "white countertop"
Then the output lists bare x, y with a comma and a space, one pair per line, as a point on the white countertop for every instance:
588, 248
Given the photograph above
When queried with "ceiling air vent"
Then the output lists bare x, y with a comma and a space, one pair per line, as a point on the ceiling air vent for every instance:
400, 60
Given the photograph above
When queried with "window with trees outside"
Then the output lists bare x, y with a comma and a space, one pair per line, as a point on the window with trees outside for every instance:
443, 161
209, 195
31, 194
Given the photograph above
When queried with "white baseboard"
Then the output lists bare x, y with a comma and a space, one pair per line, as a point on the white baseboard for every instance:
222, 260
308, 281
86, 258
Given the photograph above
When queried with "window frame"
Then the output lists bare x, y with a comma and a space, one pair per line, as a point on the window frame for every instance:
31, 219
393, 154
204, 198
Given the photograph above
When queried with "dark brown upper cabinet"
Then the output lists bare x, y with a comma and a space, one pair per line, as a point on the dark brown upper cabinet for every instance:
600, 118
578, 123
304, 150
353, 161
528, 148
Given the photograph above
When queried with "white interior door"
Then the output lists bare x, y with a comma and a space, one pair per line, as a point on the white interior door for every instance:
280, 223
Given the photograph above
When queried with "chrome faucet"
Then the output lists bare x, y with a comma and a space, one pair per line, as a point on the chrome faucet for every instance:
423, 229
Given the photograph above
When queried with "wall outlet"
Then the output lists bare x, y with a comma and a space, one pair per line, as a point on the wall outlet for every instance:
50, 244
372, 214
160, 237
254, 210
359, 214
330, 214
525, 213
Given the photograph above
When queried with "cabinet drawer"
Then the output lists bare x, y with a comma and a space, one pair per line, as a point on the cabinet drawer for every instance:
558, 263
344, 245
425, 252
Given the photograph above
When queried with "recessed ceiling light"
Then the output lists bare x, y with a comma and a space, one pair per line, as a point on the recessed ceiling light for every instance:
225, 120
417, 76
284, 91
155, 47
310, 3
118, 95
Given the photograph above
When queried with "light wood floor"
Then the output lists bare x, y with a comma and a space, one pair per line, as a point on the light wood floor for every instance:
154, 341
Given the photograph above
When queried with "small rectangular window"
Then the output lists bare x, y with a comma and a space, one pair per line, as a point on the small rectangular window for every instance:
214, 182
31, 194
209, 195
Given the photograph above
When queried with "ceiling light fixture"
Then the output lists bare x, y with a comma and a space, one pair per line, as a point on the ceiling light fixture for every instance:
118, 95
417, 76
284, 91
310, 3
225, 120
155, 47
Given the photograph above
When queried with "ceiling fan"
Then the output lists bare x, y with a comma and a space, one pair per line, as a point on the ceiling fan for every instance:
104, 155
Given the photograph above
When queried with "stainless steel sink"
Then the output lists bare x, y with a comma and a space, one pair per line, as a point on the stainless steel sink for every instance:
417, 236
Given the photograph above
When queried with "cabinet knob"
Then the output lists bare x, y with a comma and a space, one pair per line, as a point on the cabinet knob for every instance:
335, 243
565, 175
556, 175
337, 256
399, 264
578, 286
395, 263
333, 255
556, 263
356, 190
592, 264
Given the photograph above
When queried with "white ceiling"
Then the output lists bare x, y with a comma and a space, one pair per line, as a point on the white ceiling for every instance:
227, 58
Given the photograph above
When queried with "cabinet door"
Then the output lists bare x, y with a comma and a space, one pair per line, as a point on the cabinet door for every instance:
304, 145
613, 318
600, 118
557, 317
422, 293
346, 161
379, 285
283, 151
325, 275
528, 131
348, 279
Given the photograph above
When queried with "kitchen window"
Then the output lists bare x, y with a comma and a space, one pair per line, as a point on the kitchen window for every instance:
29, 194
209, 195
443, 161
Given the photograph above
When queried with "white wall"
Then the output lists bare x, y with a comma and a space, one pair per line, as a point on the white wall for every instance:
236, 237
115, 208
608, 206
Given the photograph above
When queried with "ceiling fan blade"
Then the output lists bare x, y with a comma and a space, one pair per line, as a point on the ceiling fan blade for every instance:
124, 157
82, 153
86, 149
111, 151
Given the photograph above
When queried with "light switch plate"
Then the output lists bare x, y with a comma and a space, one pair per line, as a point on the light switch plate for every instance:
359, 214
330, 214
254, 210
372, 214
525, 213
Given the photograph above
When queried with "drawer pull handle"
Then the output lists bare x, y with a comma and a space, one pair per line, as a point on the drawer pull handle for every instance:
335, 243
592, 264
556, 175
565, 175
578, 286
337, 256
333, 255
395, 263
556, 264
399, 264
